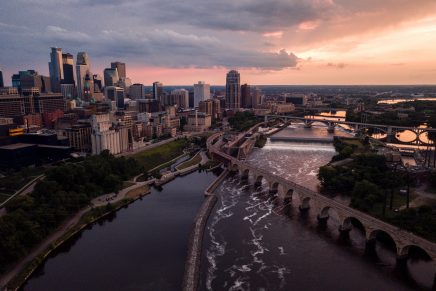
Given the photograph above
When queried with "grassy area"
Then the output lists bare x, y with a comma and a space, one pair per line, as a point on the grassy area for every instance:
356, 144
189, 163
152, 158
399, 200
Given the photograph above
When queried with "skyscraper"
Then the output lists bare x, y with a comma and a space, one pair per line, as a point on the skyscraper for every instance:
121, 68
233, 90
111, 77
201, 92
82, 69
56, 69
68, 68
256, 97
246, 101
2, 84
137, 91
98, 84
157, 90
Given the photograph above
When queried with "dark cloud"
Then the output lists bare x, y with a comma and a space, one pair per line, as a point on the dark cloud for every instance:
190, 33
337, 65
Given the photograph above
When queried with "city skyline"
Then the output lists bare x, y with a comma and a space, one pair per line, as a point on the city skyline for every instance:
285, 42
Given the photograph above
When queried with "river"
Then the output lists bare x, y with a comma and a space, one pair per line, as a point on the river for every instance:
251, 242
141, 247
254, 243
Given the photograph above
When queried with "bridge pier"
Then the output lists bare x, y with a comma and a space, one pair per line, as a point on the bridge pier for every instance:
258, 181
331, 129
244, 176
401, 264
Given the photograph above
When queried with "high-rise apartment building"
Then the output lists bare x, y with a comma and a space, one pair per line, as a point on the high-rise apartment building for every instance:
211, 107
111, 77
157, 90
82, 69
180, 97
121, 68
201, 92
56, 69
256, 97
137, 91
233, 90
246, 101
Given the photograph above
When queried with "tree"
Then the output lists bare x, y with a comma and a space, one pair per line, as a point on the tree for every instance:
365, 195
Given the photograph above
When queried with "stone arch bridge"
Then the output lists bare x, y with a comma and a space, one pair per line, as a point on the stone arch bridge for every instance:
321, 204
389, 130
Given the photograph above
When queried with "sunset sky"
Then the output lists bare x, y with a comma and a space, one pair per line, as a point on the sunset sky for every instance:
269, 42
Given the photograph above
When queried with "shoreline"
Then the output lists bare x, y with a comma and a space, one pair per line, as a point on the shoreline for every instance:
191, 274
21, 276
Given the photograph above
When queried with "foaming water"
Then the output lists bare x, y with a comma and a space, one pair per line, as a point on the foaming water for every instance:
254, 242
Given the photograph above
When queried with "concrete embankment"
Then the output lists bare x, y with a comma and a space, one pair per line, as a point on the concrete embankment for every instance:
195, 244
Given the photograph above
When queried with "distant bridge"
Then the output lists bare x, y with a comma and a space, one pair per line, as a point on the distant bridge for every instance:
331, 123
321, 204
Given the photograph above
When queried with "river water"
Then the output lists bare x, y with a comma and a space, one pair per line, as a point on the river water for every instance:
252, 242
141, 247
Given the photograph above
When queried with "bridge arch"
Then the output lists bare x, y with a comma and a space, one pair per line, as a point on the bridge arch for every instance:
406, 132
305, 202
327, 211
406, 250
233, 168
386, 238
274, 187
351, 221
258, 180
244, 173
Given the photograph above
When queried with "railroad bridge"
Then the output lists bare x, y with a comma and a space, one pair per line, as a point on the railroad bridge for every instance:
389, 130
322, 205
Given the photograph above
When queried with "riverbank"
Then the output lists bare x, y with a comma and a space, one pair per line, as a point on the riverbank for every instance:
193, 260
100, 208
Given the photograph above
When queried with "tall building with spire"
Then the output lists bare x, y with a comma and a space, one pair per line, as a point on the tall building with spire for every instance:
233, 90
56, 69
82, 70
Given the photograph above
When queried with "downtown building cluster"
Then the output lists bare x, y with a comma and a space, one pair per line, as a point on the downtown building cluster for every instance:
75, 110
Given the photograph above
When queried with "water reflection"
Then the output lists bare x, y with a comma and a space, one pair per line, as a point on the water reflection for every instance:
396, 101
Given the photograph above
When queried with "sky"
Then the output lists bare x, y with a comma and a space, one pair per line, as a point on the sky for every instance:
180, 42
